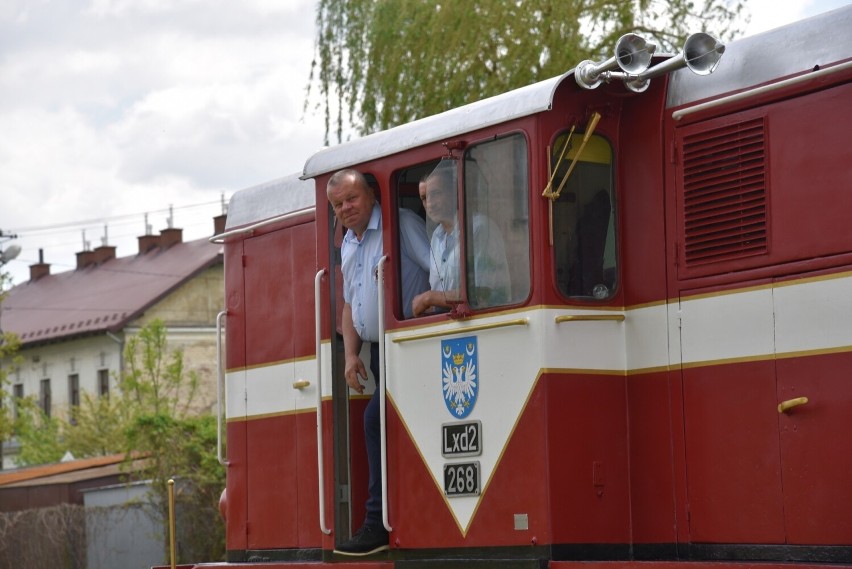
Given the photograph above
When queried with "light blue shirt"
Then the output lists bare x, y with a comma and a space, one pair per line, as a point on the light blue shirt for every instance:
490, 267
360, 261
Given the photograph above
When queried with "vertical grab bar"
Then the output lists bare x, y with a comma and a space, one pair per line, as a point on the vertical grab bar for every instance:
383, 393
220, 387
320, 459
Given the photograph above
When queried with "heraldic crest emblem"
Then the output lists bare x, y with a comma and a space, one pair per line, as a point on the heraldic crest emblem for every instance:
459, 375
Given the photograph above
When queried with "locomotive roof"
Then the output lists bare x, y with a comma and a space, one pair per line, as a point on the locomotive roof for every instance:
747, 62
493, 110
268, 200
781, 52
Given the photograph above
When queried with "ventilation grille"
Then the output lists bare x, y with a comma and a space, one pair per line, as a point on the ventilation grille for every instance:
724, 193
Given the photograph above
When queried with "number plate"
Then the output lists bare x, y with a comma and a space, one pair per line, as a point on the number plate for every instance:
461, 439
461, 479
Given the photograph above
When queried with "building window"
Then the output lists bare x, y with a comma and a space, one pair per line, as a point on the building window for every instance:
17, 393
103, 382
44, 396
74, 390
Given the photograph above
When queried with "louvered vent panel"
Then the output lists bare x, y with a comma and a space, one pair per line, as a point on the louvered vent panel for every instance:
724, 182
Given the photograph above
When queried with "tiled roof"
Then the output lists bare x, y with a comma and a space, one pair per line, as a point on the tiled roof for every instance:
102, 297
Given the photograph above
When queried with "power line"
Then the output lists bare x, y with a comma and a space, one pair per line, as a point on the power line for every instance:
101, 220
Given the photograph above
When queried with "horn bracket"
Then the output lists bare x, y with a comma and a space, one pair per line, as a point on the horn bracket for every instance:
701, 53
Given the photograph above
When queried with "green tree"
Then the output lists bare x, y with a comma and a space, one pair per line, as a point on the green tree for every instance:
98, 426
174, 444
148, 418
9, 345
380, 63
155, 379
37, 433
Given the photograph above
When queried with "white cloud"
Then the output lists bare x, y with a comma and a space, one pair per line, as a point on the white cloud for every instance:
112, 107
769, 14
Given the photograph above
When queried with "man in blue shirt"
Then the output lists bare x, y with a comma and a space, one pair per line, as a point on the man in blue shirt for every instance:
354, 204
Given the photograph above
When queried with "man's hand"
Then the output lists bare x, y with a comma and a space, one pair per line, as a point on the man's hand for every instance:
355, 372
421, 303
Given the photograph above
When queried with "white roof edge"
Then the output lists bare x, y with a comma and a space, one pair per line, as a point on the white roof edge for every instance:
493, 110
270, 199
794, 48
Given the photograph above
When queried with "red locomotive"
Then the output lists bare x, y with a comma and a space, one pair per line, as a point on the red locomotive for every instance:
668, 375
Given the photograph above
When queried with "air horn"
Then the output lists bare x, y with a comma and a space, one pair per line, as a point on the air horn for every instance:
632, 56
701, 54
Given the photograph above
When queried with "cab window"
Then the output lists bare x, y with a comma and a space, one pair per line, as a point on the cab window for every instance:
584, 225
496, 222
476, 212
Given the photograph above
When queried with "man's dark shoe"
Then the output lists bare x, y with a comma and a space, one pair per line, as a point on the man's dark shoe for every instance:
366, 541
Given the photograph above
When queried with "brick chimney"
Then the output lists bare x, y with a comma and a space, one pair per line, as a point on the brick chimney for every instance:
104, 253
148, 242
219, 224
170, 236
85, 259
39, 269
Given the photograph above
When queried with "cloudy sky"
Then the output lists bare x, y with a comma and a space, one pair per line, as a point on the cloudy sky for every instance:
110, 109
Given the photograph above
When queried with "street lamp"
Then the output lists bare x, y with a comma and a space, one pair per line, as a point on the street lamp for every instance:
10, 252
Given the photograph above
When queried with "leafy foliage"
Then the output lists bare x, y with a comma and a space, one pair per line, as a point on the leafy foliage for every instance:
380, 63
147, 417
175, 444
37, 432
98, 426
155, 380
9, 345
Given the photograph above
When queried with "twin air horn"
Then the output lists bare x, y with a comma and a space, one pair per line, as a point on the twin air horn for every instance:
701, 54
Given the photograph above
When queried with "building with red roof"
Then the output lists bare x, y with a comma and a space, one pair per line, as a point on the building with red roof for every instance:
73, 325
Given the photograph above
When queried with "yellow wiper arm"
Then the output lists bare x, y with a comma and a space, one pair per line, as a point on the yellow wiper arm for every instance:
593, 123
548, 190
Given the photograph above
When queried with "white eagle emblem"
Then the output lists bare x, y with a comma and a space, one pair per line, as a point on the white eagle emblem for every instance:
459, 375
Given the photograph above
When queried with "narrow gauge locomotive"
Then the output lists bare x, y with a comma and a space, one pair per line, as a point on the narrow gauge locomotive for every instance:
668, 378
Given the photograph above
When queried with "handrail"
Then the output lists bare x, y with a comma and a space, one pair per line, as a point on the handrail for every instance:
383, 393
320, 444
680, 113
589, 318
249, 228
461, 329
220, 387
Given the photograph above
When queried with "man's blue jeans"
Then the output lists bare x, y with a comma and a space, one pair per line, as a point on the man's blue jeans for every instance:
372, 437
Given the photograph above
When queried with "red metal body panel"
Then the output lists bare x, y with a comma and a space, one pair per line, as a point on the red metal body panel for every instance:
733, 472
816, 469
640, 191
652, 482
588, 459
235, 355
273, 508
269, 305
236, 487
